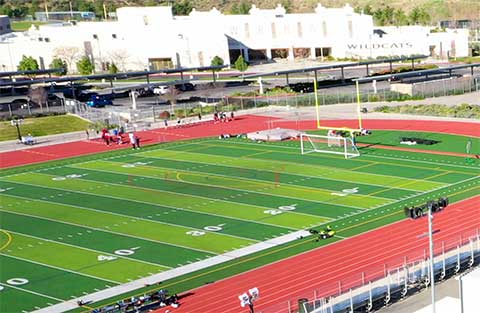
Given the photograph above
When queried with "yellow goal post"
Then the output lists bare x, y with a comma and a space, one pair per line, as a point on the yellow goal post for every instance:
344, 128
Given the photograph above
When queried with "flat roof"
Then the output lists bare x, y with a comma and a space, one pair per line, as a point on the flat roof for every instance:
333, 66
442, 70
106, 76
34, 72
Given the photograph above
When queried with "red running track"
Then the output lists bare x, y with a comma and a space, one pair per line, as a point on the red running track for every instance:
320, 271
242, 124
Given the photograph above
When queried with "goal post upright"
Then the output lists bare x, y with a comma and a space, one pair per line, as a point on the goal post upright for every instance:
358, 109
315, 91
358, 105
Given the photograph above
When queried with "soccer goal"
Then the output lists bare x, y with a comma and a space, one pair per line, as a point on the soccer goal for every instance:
328, 144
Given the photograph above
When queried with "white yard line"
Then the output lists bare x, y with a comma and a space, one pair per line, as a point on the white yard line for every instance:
121, 215
92, 228
270, 171
155, 279
32, 292
191, 171
213, 186
346, 171
59, 268
151, 203
366, 155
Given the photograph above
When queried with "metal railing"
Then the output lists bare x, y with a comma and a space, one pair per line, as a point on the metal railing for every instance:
383, 284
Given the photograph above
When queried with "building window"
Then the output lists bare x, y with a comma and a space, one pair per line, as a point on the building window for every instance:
299, 29
350, 29
247, 31
8, 26
324, 29
1, 27
274, 31
260, 30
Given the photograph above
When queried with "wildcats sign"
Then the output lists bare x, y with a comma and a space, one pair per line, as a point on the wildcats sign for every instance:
386, 45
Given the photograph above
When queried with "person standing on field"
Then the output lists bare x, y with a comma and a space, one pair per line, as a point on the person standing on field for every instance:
133, 141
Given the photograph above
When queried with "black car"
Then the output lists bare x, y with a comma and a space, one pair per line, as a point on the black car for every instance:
185, 87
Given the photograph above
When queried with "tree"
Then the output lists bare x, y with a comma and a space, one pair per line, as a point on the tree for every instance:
113, 69
28, 64
384, 16
38, 96
419, 16
119, 57
368, 10
400, 18
287, 4
242, 8
85, 66
240, 64
67, 54
182, 8
59, 63
217, 61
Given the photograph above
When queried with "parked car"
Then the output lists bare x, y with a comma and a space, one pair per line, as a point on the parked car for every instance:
185, 87
145, 92
99, 101
161, 90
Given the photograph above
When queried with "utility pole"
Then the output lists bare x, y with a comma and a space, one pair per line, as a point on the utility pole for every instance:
46, 9
105, 11
432, 261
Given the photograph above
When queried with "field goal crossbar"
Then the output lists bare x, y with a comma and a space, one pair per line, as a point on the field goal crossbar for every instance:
328, 144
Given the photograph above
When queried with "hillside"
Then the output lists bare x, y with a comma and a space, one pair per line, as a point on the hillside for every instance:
437, 9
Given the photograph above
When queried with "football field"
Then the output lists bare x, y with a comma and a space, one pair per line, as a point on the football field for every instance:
71, 228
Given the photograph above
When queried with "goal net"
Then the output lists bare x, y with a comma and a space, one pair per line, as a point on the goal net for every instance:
328, 144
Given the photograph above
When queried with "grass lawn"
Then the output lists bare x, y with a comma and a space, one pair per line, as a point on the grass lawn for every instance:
42, 126
20, 26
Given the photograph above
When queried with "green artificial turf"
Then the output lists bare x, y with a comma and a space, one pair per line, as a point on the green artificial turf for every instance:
115, 217
445, 142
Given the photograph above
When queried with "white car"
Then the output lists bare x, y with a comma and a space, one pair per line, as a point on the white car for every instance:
161, 90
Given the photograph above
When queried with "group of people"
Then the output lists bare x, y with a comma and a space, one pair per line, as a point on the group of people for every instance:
146, 302
346, 133
117, 137
222, 117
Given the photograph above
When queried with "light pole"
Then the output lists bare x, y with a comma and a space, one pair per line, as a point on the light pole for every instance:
432, 261
418, 212
17, 122
248, 299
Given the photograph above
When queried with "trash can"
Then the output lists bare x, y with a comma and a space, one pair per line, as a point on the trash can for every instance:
302, 303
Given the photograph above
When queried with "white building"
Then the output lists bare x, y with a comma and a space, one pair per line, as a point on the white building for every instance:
151, 37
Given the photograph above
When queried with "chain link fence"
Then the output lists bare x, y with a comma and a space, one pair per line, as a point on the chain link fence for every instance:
120, 114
